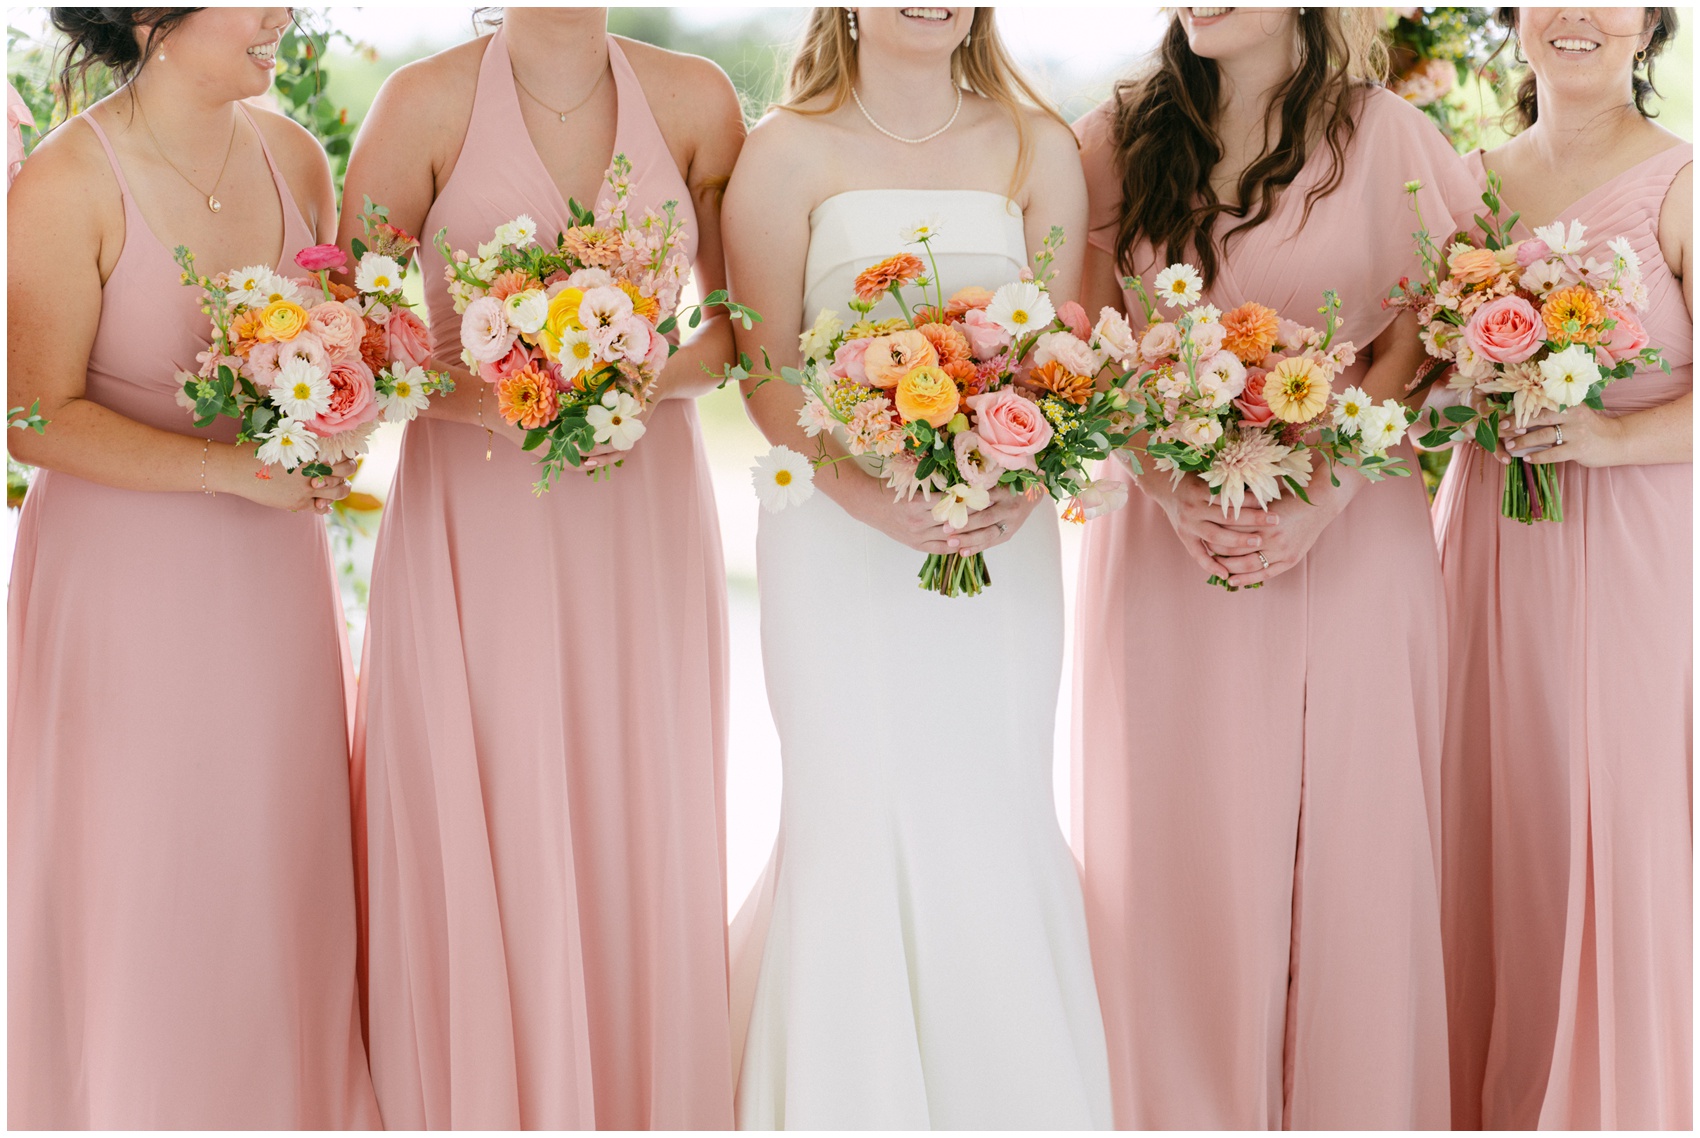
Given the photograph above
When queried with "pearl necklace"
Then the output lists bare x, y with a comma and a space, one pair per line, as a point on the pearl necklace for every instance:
898, 137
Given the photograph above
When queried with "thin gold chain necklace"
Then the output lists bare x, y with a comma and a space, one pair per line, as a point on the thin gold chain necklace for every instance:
594, 87
212, 202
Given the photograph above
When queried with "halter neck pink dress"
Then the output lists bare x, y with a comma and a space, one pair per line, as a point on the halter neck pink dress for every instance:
544, 714
1257, 792
1568, 764
180, 871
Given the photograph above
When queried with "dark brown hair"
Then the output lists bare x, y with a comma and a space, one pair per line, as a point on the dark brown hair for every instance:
1523, 108
1166, 145
107, 37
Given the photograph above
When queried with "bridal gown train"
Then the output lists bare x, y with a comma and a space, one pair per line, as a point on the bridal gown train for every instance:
915, 954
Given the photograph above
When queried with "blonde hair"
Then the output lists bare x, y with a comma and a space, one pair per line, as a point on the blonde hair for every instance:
824, 64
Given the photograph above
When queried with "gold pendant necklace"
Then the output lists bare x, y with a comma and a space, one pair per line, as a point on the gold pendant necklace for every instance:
213, 203
562, 115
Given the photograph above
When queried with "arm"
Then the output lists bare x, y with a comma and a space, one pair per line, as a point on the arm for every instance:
305, 168
64, 222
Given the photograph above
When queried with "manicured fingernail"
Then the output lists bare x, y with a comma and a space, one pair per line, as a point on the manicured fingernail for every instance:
955, 544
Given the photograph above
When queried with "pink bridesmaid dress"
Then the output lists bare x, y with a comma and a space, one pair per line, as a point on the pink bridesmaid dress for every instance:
1257, 791
181, 909
544, 715
1568, 763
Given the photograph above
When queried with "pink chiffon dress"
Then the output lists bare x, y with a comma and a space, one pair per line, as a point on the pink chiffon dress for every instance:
543, 711
1257, 773
180, 862
1568, 763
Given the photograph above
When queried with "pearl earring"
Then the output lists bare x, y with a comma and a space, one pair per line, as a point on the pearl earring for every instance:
850, 14
160, 57
967, 39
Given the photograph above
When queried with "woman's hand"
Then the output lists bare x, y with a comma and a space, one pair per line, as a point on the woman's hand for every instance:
294, 492
1588, 438
911, 522
1205, 533
1287, 545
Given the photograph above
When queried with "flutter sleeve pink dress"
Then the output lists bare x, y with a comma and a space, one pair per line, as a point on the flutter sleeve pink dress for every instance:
1257, 791
544, 717
180, 870
1568, 764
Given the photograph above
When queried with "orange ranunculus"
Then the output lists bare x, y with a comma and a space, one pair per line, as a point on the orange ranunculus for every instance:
1579, 303
901, 269
964, 299
645, 306
1473, 266
281, 320
375, 347
1058, 380
1249, 332
963, 372
245, 331
343, 292
527, 397
927, 393
510, 282
889, 358
949, 342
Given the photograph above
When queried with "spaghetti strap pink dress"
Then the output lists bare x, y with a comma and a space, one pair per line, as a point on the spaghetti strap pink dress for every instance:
1568, 764
544, 717
1257, 773
180, 871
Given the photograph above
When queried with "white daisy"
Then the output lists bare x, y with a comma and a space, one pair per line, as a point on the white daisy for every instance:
1567, 375
302, 390
616, 420
289, 444
922, 230
406, 397
1020, 308
1621, 247
1349, 408
1180, 286
958, 502
1206, 314
378, 273
1383, 425
253, 285
782, 478
577, 352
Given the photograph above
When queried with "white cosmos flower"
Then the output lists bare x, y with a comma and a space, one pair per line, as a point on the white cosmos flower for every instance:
1349, 408
616, 420
782, 478
1020, 308
406, 398
1621, 247
378, 273
1567, 375
922, 230
1206, 314
816, 343
516, 234
289, 444
1180, 286
958, 502
1542, 277
1381, 427
1559, 241
526, 311
577, 352
302, 390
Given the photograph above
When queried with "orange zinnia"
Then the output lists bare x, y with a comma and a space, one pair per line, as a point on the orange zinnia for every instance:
527, 397
511, 282
962, 371
592, 245
1249, 332
902, 269
1579, 303
947, 341
1059, 381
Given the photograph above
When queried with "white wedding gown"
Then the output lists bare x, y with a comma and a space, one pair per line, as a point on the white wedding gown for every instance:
915, 955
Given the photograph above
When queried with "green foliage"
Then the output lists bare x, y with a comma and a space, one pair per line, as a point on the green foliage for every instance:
301, 80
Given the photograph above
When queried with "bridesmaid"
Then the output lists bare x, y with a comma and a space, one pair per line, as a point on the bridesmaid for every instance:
181, 909
544, 690
1568, 761
1257, 803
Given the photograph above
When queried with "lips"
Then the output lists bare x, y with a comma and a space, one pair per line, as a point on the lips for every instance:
1572, 44
265, 53
1209, 13
940, 15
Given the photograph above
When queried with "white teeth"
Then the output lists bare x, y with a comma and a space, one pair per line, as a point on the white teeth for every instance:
1574, 45
1206, 13
926, 13
264, 54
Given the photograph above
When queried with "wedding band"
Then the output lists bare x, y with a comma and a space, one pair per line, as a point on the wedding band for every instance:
1261, 558
1558, 432
1002, 528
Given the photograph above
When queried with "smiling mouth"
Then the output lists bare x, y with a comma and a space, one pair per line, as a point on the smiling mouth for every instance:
265, 53
1574, 46
1209, 13
937, 15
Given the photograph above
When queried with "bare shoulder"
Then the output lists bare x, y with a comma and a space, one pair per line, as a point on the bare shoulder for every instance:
65, 175
690, 96
293, 146
427, 91
1051, 136
787, 160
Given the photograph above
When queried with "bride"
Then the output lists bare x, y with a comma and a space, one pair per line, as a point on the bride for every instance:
916, 953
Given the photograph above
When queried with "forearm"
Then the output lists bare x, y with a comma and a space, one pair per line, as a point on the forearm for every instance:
695, 369
773, 408
96, 443
1658, 435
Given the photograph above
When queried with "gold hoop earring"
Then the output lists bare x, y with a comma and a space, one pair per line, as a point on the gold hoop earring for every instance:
1641, 56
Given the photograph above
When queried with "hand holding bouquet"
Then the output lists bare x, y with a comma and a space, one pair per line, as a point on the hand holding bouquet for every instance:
1243, 399
957, 396
308, 366
1522, 327
572, 334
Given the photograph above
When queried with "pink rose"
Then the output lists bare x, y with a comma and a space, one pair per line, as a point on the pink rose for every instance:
318, 258
1074, 319
1254, 409
409, 341
1625, 340
847, 360
484, 330
1071, 352
1506, 330
1530, 251
985, 339
659, 351
511, 364
338, 327
354, 400
1011, 428
1160, 342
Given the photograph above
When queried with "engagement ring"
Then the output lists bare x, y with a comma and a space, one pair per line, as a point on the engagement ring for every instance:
1262, 558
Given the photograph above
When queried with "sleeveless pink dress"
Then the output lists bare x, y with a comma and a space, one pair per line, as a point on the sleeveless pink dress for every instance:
544, 714
1568, 764
1257, 791
180, 872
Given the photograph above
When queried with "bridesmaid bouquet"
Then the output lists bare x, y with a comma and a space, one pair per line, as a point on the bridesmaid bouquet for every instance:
959, 395
1243, 399
308, 366
572, 334
1522, 327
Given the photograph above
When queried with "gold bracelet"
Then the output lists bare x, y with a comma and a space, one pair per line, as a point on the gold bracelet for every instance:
206, 445
489, 434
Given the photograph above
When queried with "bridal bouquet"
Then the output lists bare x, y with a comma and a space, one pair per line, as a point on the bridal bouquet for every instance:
1522, 327
958, 395
308, 366
1243, 399
572, 334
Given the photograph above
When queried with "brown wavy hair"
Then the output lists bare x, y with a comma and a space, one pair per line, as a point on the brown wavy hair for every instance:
1166, 145
1523, 109
824, 64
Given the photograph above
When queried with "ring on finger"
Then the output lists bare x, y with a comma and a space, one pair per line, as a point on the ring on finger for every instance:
1002, 528
1262, 558
1558, 435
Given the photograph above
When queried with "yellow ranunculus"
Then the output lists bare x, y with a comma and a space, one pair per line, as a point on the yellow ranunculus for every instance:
281, 320
563, 316
927, 393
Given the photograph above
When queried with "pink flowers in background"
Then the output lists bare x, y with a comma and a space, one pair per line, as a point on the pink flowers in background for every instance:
18, 116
